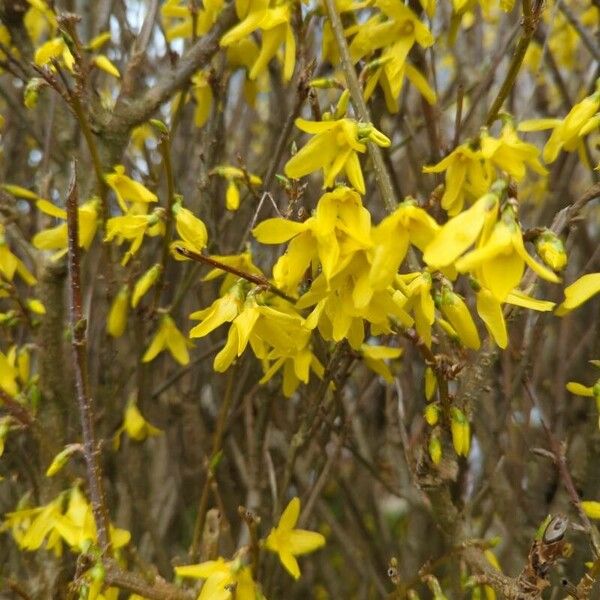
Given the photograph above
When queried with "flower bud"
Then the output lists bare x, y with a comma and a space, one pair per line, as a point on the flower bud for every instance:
144, 283
551, 250
431, 414
461, 432
435, 450
117, 316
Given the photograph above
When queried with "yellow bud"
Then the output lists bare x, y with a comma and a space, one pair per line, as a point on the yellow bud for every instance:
23, 365
61, 459
551, 250
117, 317
232, 198
342, 105
461, 432
35, 306
435, 450
430, 383
144, 283
31, 93
431, 414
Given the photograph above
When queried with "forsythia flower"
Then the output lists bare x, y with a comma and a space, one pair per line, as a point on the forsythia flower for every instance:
467, 176
133, 227
225, 580
288, 542
569, 132
551, 250
168, 337
11, 264
334, 148
591, 508
126, 189
233, 175
276, 27
55, 238
135, 426
457, 313
579, 292
54, 49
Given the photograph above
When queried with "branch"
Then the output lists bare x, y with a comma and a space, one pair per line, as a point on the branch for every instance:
531, 17
259, 280
129, 113
158, 590
91, 448
381, 175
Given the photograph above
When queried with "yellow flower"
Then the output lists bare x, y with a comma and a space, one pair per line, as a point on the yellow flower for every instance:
340, 226
569, 132
288, 542
509, 153
135, 426
55, 238
499, 260
133, 227
408, 224
233, 175
334, 147
490, 311
375, 357
11, 264
168, 337
468, 176
126, 189
225, 580
460, 232
579, 292
203, 95
177, 17
54, 49
276, 27
117, 315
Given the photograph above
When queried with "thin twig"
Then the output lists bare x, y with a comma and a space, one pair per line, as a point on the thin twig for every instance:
259, 280
531, 16
384, 181
84, 398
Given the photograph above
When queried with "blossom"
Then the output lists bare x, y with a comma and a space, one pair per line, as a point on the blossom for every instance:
579, 292
455, 310
289, 542
54, 49
135, 426
132, 227
11, 264
55, 238
334, 147
568, 133
127, 189
233, 175
168, 337
467, 176
276, 27
225, 580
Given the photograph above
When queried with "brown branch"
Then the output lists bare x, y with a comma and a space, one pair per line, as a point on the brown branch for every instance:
131, 582
130, 112
85, 402
259, 280
531, 17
